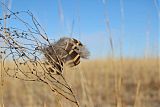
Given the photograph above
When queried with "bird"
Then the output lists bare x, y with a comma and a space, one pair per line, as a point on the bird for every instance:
66, 51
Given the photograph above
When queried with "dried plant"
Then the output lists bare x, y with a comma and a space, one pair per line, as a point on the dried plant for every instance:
35, 57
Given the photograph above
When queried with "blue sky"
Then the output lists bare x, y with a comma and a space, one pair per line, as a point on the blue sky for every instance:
86, 20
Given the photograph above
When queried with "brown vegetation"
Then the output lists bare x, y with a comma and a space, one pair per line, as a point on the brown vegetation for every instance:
98, 83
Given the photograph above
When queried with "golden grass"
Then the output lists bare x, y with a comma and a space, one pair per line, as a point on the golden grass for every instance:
98, 83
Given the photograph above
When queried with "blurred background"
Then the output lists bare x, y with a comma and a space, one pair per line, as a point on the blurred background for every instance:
123, 39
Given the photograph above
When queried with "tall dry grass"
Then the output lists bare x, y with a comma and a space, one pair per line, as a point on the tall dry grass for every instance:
98, 83
94, 85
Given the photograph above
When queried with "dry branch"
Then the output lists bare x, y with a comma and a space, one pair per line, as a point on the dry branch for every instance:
35, 57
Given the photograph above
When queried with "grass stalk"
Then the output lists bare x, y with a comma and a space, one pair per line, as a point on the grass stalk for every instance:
137, 97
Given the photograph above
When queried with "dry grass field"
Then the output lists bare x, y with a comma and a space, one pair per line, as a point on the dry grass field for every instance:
96, 83
107, 82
